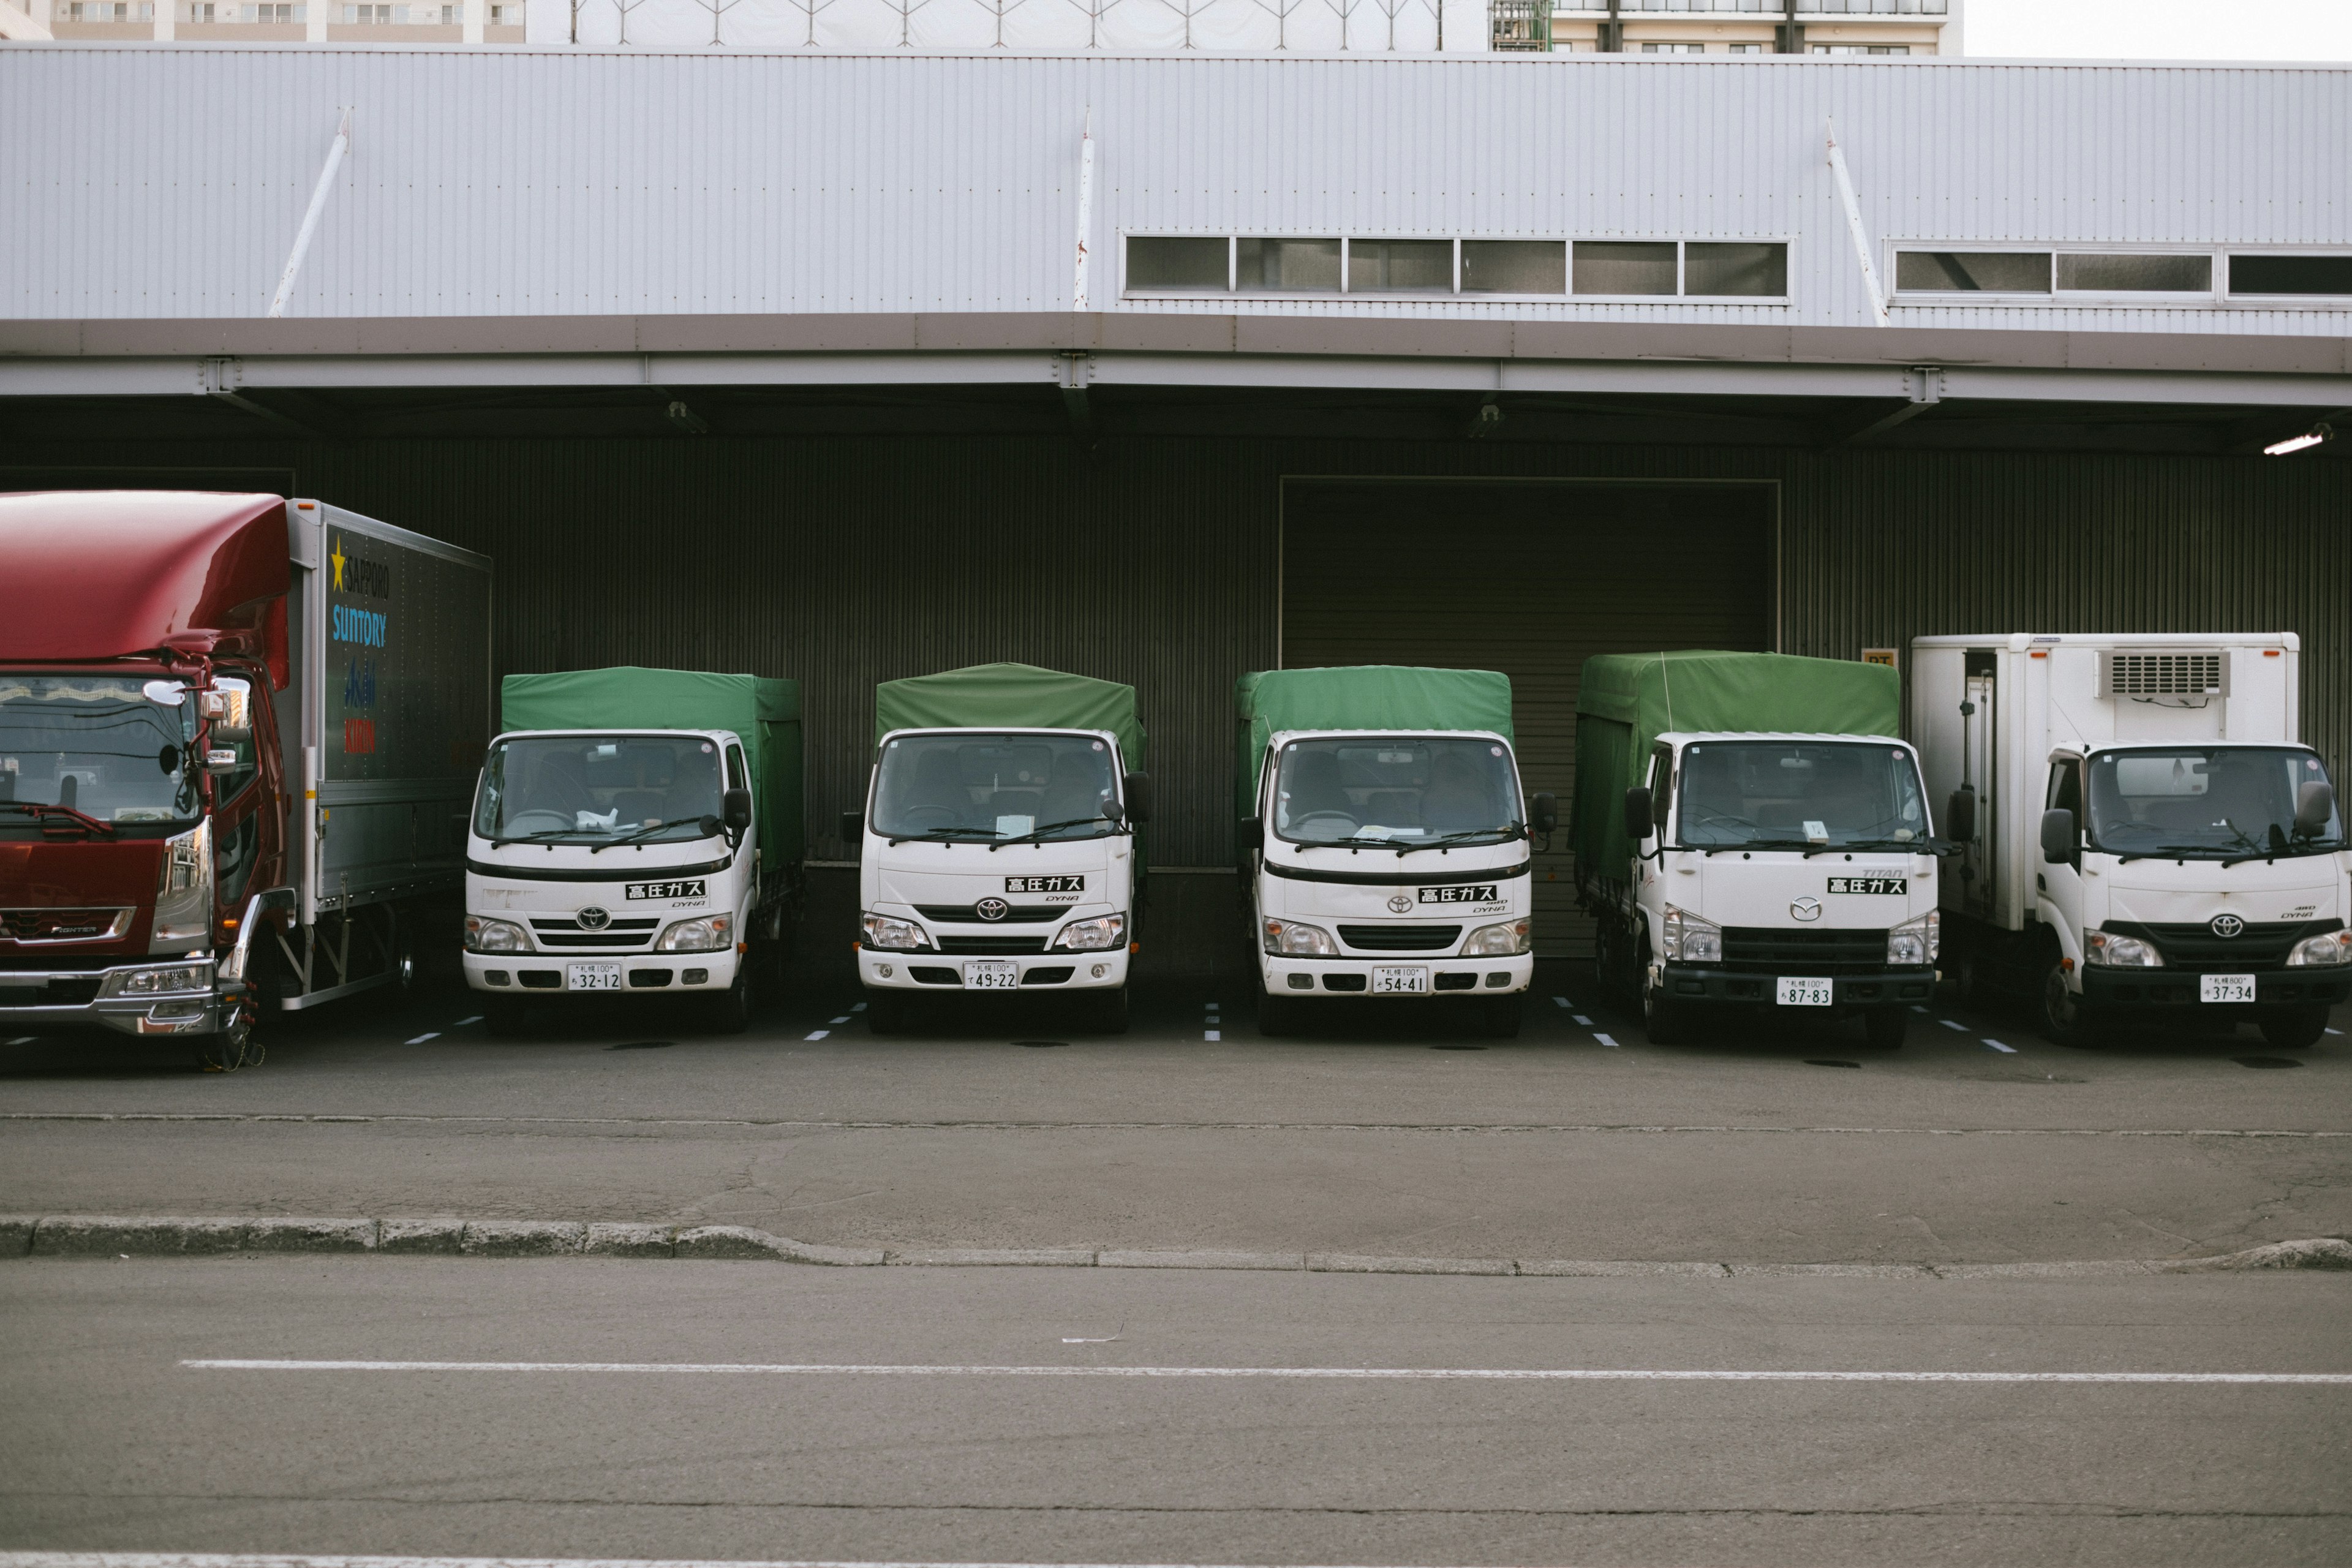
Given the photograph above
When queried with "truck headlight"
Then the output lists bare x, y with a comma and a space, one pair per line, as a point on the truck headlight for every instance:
1912, 944
894, 935
1505, 941
1690, 939
1091, 936
1290, 939
2333, 947
2122, 952
495, 936
157, 982
712, 933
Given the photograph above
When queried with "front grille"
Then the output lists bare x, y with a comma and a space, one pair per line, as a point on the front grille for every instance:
56, 994
1042, 975
574, 924
979, 946
1399, 939
2192, 947
1767, 950
556, 939
933, 975
1016, 915
59, 925
647, 978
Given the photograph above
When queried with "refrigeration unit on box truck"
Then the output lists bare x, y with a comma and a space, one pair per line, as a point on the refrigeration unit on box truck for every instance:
1751, 832
236, 738
2142, 834
999, 850
637, 832
1384, 843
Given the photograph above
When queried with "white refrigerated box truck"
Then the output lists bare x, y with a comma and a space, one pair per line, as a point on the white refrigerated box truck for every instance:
2141, 831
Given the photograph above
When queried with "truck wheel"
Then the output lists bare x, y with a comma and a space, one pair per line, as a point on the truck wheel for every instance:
730, 1010
2067, 1018
886, 1013
226, 1051
2295, 1028
504, 1015
1107, 1012
1884, 1027
1499, 1017
1277, 1015
1664, 1020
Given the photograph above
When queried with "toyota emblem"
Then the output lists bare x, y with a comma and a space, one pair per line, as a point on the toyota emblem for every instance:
991, 909
1401, 905
2228, 925
594, 919
1805, 909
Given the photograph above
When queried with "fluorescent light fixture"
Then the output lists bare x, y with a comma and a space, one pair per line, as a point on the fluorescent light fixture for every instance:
2311, 437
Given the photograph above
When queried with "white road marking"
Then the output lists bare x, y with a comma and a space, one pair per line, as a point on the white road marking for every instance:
1950, 1025
858, 1006
422, 1039
463, 1022
1212, 1033
1351, 1374
2005, 1050
1606, 1041
1581, 1019
1561, 1000
843, 1019
1916, 1008
28, 1039
819, 1034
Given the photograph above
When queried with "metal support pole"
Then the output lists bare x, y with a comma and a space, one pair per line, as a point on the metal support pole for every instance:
1854, 227
1085, 202
311, 218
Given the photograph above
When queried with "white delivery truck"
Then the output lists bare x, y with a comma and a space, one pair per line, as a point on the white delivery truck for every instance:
1751, 834
635, 833
1384, 843
997, 851
2141, 832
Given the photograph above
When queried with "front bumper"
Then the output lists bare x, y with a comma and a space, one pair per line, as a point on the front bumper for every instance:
1103, 970
1288, 976
32, 1000
1706, 983
642, 973
2115, 987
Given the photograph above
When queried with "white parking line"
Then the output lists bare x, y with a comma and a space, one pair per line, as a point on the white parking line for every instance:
1348, 1374
1916, 1008
1950, 1025
1213, 1035
463, 1022
843, 1019
20, 1042
28, 1039
1581, 1019
422, 1039
2005, 1050
858, 1006
1606, 1041
819, 1034
289, 1559
1561, 1000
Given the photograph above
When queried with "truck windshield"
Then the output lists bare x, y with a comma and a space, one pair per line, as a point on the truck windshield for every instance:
2204, 801
587, 789
101, 745
1799, 795
983, 786
1403, 790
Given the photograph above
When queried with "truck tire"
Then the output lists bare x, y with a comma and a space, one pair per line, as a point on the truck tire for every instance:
224, 1051
1277, 1017
730, 1010
886, 1013
1499, 1017
1107, 1012
504, 1015
2295, 1028
1884, 1027
2067, 1018
1667, 1021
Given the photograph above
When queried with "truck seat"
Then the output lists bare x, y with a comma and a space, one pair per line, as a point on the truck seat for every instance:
1311, 784
642, 805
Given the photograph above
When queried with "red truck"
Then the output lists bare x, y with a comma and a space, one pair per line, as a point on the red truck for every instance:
239, 738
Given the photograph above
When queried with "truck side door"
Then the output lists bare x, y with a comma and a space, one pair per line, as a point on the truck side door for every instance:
2061, 882
740, 777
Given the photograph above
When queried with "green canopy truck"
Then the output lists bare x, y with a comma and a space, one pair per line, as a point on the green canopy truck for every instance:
1751, 834
635, 832
1383, 845
998, 848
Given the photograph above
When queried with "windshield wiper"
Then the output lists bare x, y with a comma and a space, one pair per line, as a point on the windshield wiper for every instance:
1714, 849
1508, 830
542, 835
40, 809
708, 823
2168, 851
941, 834
1050, 827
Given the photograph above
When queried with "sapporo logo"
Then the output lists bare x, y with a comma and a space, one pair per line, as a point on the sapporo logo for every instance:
358, 575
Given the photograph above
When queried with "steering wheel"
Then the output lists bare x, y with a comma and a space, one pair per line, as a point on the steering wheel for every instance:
540, 821
1320, 815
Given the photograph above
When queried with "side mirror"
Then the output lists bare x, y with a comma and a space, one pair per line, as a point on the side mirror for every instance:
1960, 815
853, 825
229, 706
1638, 825
2057, 835
1543, 813
1137, 788
737, 804
1113, 813
1250, 833
221, 760
2314, 802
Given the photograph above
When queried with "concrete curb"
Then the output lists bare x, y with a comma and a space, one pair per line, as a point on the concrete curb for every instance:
169, 1235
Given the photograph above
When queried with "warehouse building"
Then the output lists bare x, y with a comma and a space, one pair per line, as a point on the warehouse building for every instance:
1166, 369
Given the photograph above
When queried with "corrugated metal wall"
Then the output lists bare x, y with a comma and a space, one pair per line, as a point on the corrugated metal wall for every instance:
845, 562
170, 183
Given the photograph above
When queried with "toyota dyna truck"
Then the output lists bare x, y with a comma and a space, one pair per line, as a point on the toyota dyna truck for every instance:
2141, 834
1752, 836
1384, 843
237, 734
637, 833
999, 850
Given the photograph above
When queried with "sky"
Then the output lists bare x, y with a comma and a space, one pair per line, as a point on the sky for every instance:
2162, 29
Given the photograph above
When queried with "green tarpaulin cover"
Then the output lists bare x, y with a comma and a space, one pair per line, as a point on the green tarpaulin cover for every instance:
1358, 697
1626, 701
1010, 697
762, 712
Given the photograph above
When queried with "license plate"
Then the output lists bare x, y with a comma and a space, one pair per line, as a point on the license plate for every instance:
1401, 979
1460, 893
1795, 992
1870, 884
592, 977
992, 975
2225, 988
